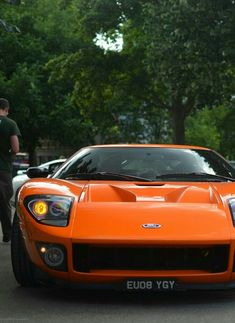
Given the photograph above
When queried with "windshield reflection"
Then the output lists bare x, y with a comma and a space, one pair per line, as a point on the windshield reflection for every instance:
146, 162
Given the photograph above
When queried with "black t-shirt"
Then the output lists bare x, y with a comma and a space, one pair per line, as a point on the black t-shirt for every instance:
8, 128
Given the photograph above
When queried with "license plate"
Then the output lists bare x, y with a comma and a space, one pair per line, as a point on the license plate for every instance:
150, 285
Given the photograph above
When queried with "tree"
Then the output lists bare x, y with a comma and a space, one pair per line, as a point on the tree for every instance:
177, 57
23, 77
205, 128
189, 55
4, 24
110, 86
227, 132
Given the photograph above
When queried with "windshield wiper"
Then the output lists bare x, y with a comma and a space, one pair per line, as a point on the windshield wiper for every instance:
209, 177
106, 176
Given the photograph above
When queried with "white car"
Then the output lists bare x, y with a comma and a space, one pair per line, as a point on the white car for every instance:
19, 180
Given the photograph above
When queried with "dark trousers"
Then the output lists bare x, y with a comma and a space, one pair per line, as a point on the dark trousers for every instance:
6, 192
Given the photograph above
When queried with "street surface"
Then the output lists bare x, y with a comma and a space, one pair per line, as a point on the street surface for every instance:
41, 304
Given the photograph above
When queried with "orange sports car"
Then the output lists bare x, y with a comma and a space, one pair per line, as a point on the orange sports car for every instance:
134, 217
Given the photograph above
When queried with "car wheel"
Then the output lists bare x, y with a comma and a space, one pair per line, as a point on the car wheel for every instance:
22, 267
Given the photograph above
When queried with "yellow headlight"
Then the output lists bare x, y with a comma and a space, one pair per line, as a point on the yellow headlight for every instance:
51, 210
40, 208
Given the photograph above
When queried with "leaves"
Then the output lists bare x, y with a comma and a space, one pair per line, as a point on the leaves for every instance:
187, 54
177, 58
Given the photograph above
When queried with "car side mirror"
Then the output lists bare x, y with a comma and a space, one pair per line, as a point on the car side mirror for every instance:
34, 172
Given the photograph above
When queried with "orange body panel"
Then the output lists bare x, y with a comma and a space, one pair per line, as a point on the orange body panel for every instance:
113, 213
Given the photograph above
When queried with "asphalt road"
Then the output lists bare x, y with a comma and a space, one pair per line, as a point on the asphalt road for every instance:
18, 304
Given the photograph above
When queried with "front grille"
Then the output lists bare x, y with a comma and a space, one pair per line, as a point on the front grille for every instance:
212, 259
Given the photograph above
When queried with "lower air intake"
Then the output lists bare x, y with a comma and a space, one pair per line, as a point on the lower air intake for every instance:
212, 259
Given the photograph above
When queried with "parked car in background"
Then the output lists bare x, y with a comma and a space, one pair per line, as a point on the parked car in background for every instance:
134, 217
20, 163
19, 180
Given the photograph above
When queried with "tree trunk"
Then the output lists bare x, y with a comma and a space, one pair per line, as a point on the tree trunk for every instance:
31, 149
178, 121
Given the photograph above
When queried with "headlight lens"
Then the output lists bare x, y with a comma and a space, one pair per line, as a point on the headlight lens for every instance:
49, 209
231, 203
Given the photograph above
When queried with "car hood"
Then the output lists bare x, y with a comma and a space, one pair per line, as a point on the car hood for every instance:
167, 213
125, 211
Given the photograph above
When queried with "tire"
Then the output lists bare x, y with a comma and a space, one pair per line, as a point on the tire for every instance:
23, 268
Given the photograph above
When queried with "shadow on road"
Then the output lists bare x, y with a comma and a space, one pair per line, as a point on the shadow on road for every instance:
65, 295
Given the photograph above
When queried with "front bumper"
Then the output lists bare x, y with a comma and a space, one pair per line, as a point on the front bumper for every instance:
47, 279
115, 278
188, 278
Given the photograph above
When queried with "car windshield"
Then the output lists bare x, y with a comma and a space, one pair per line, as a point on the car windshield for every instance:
147, 164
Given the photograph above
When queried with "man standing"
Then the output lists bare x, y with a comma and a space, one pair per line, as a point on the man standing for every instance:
9, 146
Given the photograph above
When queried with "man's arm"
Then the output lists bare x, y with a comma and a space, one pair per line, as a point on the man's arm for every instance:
15, 147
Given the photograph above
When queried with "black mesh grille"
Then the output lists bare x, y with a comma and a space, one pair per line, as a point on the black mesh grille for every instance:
89, 257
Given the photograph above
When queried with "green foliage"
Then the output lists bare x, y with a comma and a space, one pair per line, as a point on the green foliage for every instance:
4, 24
24, 91
110, 86
177, 58
23, 77
213, 128
188, 54
205, 127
